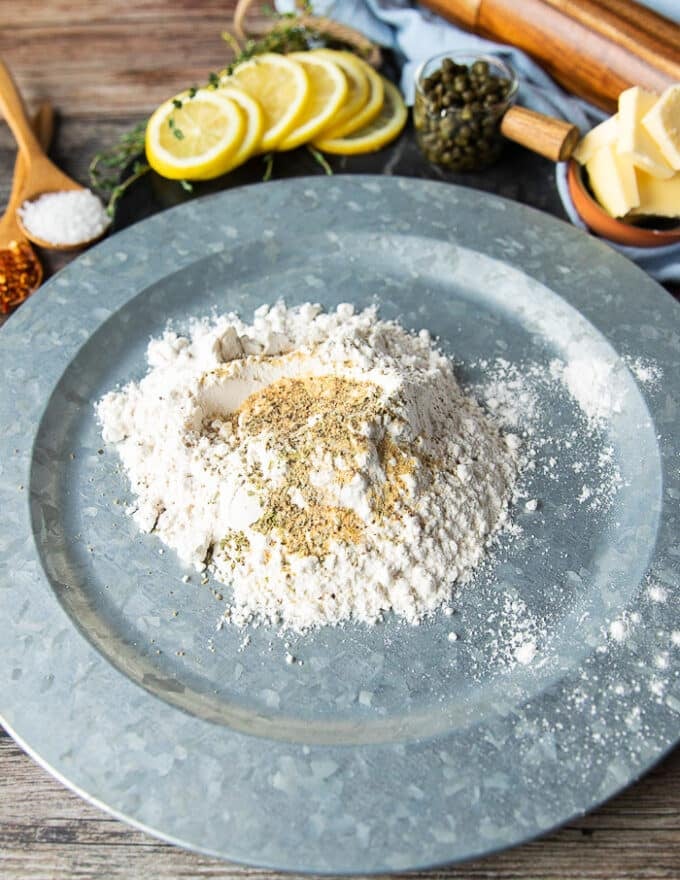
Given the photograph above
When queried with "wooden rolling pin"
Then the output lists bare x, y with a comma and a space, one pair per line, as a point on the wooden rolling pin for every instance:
634, 28
590, 47
644, 20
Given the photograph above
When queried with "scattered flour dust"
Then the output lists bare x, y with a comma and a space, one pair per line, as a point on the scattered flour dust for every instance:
646, 371
515, 632
516, 393
326, 465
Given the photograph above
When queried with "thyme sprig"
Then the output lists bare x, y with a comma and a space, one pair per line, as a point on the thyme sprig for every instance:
289, 35
112, 171
108, 166
319, 157
281, 39
268, 160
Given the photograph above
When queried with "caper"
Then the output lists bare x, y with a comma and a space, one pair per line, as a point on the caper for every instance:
448, 126
456, 116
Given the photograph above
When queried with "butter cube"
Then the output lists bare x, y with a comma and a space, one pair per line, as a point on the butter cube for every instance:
635, 142
613, 181
659, 197
663, 124
606, 132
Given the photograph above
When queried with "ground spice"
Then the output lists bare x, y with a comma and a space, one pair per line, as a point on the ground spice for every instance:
396, 463
305, 417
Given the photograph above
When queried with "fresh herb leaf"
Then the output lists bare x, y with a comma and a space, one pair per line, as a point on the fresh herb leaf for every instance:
321, 159
139, 169
108, 167
269, 166
289, 35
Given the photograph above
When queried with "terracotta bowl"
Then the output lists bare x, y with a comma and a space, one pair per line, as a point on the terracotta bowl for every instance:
598, 221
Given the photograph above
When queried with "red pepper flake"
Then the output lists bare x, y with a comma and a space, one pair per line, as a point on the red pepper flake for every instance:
20, 274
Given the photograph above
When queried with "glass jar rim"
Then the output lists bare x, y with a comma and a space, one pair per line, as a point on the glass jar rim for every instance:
467, 57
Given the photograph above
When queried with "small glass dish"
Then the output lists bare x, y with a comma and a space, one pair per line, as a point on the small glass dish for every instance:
457, 113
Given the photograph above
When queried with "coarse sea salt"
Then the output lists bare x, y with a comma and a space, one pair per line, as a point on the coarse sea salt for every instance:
68, 217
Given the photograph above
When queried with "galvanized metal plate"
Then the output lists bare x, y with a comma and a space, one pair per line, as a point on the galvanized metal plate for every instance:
391, 747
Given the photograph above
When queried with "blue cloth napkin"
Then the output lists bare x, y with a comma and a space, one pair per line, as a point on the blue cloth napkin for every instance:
416, 34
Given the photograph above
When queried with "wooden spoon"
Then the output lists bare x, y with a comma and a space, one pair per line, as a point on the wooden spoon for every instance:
41, 175
20, 269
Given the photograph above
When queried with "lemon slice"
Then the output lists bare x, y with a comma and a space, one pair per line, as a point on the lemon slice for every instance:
344, 125
358, 86
328, 89
385, 128
254, 126
368, 112
281, 88
191, 138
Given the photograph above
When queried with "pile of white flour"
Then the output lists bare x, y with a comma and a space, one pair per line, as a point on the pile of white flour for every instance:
326, 466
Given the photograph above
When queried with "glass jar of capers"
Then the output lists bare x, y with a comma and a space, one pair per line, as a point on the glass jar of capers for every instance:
459, 103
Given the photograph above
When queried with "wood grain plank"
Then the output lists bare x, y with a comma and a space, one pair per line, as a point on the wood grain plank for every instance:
38, 13
98, 59
113, 68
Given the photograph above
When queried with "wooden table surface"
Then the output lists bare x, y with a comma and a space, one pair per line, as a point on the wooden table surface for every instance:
105, 64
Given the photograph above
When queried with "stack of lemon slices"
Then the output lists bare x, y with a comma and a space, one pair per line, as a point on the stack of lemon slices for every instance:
330, 99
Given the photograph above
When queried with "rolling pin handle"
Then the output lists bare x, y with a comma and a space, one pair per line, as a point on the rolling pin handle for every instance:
545, 135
